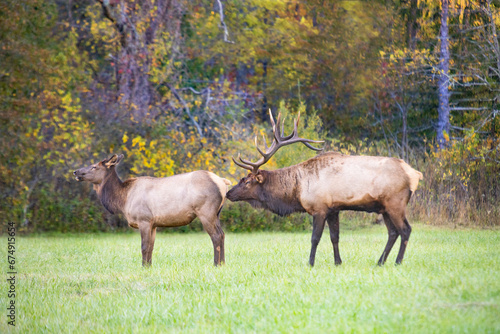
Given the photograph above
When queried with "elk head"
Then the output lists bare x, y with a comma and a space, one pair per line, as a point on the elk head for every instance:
97, 172
248, 188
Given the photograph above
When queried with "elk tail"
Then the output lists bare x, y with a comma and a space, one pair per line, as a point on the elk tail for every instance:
414, 176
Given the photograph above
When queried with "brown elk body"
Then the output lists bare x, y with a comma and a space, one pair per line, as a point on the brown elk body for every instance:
329, 183
149, 202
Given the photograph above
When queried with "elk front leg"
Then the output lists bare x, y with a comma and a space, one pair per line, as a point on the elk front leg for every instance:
333, 224
318, 226
146, 244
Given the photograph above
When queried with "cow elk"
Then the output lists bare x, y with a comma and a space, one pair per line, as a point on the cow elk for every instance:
327, 184
149, 202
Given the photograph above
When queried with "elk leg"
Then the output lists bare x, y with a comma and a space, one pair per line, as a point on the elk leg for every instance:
220, 232
405, 236
318, 226
151, 245
145, 229
393, 235
333, 224
214, 230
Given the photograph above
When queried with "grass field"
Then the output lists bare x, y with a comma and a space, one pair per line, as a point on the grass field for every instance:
449, 283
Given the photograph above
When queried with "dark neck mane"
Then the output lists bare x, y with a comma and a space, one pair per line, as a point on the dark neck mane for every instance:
281, 191
113, 192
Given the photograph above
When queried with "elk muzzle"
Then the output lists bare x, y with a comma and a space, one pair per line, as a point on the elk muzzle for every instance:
79, 175
231, 195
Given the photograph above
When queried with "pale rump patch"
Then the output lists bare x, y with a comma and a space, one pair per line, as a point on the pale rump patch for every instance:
222, 184
413, 175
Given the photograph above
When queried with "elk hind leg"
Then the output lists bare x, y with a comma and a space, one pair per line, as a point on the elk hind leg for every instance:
318, 226
151, 245
405, 232
393, 235
213, 228
333, 224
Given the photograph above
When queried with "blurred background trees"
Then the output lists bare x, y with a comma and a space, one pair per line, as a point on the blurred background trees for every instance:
175, 86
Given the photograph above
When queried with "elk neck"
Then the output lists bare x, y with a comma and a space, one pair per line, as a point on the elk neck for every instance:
113, 192
281, 191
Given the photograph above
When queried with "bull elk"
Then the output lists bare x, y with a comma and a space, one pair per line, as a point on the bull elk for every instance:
149, 202
327, 184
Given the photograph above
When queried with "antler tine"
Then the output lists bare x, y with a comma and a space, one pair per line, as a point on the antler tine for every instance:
314, 148
257, 146
255, 165
242, 165
294, 133
282, 133
272, 119
276, 128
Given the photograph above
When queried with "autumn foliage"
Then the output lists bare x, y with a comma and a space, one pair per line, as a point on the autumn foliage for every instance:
174, 89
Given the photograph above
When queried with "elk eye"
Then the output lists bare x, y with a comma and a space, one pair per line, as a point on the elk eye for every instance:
93, 167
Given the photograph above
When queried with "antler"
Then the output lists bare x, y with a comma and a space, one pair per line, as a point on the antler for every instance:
279, 141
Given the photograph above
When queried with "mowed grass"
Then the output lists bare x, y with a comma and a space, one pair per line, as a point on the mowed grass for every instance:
449, 283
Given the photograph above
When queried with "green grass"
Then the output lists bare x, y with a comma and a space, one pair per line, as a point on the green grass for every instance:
449, 283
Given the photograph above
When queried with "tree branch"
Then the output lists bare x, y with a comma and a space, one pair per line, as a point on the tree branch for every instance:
186, 108
223, 23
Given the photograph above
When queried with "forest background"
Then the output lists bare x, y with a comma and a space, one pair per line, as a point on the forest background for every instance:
183, 85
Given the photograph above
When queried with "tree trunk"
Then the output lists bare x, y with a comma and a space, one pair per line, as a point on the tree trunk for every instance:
137, 24
443, 124
412, 25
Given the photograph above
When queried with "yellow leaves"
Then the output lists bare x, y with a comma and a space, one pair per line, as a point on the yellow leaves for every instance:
458, 163
125, 138
66, 99
136, 140
467, 79
446, 136
306, 22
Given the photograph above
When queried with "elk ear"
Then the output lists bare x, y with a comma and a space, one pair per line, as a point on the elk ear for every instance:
113, 161
119, 159
259, 178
